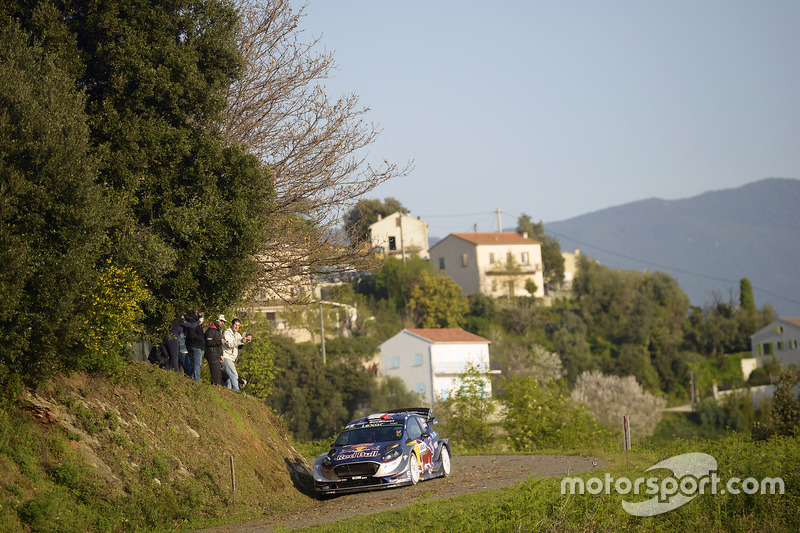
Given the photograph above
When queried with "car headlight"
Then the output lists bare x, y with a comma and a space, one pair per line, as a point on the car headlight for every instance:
392, 454
326, 463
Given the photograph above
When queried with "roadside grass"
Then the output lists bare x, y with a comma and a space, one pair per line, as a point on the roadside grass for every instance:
148, 450
539, 505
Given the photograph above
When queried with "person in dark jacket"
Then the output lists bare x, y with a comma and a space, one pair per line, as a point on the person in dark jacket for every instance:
172, 340
196, 343
214, 343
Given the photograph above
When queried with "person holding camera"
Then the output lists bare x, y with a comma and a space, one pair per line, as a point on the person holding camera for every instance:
230, 352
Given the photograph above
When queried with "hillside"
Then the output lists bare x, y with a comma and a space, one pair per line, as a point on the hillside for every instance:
149, 450
708, 242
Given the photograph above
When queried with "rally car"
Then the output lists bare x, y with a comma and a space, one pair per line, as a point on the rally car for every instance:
383, 450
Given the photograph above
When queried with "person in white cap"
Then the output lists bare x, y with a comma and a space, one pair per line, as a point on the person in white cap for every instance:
214, 343
230, 352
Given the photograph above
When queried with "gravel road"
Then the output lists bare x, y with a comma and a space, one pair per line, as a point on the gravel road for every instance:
471, 473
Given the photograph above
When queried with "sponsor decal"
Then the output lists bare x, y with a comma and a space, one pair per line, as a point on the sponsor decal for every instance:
358, 451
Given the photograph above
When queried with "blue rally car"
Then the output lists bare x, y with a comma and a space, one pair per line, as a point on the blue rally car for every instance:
383, 450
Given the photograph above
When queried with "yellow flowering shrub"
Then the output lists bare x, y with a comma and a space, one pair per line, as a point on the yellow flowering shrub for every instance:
114, 315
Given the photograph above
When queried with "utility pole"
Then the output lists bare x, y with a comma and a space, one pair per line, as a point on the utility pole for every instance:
322, 334
499, 223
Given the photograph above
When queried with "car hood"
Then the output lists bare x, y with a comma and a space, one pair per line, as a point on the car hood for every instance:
359, 452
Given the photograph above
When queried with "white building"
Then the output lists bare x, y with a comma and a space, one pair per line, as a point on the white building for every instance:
428, 360
780, 339
494, 264
400, 235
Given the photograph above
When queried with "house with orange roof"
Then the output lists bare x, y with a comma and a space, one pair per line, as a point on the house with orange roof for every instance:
428, 360
779, 339
503, 264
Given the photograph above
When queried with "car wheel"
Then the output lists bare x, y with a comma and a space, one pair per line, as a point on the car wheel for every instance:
413, 467
445, 462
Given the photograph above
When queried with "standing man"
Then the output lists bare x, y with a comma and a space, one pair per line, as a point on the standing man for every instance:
230, 352
214, 342
196, 343
172, 340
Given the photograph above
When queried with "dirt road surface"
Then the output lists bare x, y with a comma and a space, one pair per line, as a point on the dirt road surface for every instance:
471, 473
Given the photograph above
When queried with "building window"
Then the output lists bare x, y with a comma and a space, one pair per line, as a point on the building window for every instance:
525, 258
793, 344
767, 348
441, 263
420, 388
781, 345
464, 260
394, 362
778, 330
491, 258
417, 359
392, 243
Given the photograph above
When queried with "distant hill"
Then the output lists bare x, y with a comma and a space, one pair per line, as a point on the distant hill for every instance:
708, 242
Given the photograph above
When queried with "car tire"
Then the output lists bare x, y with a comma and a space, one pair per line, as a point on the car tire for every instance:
445, 458
413, 468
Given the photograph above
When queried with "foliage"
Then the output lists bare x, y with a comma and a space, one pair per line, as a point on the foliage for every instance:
540, 415
438, 302
256, 361
52, 214
539, 504
553, 261
611, 397
747, 301
784, 413
146, 465
316, 400
365, 213
645, 310
467, 409
115, 304
190, 210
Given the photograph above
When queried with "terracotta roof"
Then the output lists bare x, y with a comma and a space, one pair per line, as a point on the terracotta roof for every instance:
508, 237
446, 335
795, 321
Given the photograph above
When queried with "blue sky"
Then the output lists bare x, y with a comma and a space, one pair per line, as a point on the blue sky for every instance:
557, 109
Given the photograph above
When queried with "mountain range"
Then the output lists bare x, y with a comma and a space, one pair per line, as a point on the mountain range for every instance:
708, 243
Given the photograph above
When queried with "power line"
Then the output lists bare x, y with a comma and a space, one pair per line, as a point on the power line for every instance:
625, 256
667, 267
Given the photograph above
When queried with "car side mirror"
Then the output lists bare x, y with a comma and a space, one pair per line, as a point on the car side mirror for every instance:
435, 421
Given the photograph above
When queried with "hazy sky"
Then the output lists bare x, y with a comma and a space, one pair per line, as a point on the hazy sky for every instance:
557, 109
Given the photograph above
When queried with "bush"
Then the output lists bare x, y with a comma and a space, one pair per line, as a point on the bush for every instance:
540, 416
612, 397
466, 411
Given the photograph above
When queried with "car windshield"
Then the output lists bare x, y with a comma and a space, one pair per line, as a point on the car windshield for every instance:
369, 434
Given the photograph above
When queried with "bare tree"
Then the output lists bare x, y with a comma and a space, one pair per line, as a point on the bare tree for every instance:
313, 143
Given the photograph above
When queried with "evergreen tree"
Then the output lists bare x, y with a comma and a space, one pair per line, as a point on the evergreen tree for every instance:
192, 210
53, 216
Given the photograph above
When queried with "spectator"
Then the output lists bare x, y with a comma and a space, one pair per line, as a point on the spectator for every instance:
196, 343
172, 341
183, 354
214, 342
230, 352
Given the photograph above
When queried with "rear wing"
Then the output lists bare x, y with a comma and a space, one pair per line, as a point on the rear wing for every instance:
427, 412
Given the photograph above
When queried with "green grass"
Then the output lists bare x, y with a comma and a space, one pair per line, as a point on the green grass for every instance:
538, 504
